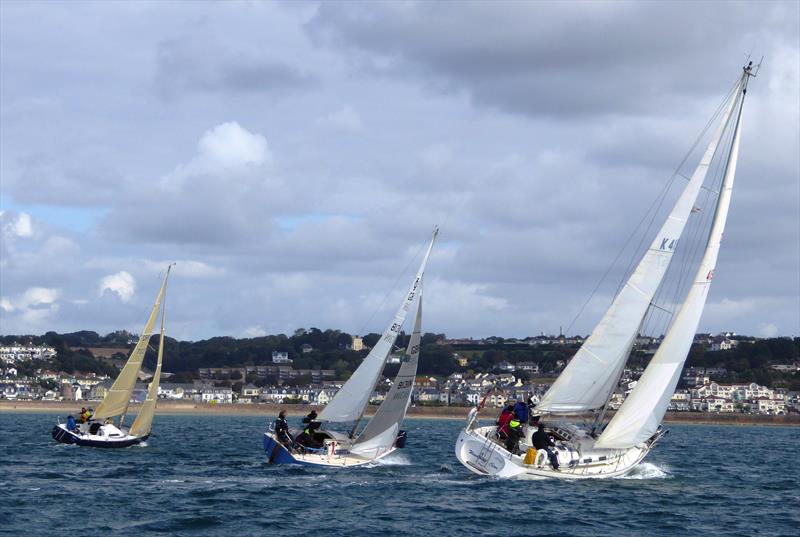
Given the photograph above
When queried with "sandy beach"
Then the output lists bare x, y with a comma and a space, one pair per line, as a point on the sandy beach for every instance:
268, 410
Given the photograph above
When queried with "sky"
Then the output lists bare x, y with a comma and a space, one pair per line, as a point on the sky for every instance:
293, 159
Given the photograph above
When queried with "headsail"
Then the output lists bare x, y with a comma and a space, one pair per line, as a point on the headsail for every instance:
116, 400
144, 420
393, 409
640, 415
592, 374
350, 401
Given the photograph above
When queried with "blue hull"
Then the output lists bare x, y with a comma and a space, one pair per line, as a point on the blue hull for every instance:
277, 453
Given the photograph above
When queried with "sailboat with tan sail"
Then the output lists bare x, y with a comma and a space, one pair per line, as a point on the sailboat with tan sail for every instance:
101, 429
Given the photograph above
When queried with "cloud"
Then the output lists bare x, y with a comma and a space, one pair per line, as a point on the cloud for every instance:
254, 331
121, 283
16, 225
546, 59
345, 118
229, 145
195, 64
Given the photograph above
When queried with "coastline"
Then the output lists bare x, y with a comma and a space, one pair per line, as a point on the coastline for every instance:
454, 413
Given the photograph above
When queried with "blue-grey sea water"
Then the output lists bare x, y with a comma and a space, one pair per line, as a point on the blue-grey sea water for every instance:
207, 475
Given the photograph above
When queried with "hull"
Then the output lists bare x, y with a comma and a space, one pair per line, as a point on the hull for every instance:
331, 456
121, 439
477, 449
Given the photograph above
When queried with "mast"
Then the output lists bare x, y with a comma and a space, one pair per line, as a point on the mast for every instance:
591, 375
393, 408
349, 403
144, 420
640, 415
118, 397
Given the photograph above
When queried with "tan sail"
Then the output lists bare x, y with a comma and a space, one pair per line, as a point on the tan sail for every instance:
144, 421
116, 400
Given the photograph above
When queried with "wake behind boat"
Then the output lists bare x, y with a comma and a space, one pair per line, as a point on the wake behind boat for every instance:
314, 445
575, 450
101, 430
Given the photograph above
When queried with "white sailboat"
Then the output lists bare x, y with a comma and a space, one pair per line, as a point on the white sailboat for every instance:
382, 434
587, 383
101, 430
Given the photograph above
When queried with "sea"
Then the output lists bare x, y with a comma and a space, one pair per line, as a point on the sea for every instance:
208, 475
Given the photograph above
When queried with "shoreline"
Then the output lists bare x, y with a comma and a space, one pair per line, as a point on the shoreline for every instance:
453, 413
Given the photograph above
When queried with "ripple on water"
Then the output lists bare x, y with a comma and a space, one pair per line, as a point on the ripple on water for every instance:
189, 479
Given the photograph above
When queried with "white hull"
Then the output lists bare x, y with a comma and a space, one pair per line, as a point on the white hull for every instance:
479, 451
102, 436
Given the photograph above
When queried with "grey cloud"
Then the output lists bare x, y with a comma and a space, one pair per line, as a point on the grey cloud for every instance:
555, 59
188, 65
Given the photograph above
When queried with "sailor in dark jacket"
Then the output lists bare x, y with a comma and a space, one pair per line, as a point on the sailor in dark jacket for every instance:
282, 429
541, 440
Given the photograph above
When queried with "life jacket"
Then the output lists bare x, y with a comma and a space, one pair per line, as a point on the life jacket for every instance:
502, 421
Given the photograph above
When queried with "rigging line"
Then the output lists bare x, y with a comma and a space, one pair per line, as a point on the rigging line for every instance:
703, 224
645, 234
683, 255
393, 286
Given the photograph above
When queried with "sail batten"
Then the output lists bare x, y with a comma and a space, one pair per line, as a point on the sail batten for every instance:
590, 377
641, 413
118, 397
350, 401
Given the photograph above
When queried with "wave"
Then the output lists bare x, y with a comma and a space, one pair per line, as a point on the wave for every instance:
647, 470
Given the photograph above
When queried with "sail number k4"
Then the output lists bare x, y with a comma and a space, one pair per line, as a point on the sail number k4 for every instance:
668, 244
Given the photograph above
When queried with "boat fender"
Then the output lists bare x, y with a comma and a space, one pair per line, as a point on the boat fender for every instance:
541, 458
530, 456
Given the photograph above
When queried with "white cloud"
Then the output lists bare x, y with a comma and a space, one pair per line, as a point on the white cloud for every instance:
230, 145
38, 296
254, 331
5, 305
121, 283
767, 330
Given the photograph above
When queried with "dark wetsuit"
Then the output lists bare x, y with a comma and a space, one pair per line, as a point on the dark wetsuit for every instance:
282, 431
541, 440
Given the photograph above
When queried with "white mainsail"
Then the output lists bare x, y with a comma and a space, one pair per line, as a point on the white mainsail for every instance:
144, 420
592, 374
116, 400
640, 415
393, 409
350, 401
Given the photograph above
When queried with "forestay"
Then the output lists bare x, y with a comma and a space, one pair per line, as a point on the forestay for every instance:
592, 374
116, 400
350, 401
640, 415
393, 409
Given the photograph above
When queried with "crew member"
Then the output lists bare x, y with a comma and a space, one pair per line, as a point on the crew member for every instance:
282, 430
521, 411
85, 415
306, 438
502, 422
514, 434
541, 440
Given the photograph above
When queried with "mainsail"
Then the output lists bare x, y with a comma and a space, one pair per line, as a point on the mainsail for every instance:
591, 376
640, 415
116, 400
381, 431
144, 420
350, 401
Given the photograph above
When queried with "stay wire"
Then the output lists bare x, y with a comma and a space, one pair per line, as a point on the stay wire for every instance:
654, 209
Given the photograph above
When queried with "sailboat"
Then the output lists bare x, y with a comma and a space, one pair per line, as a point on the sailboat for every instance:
382, 435
585, 386
101, 430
